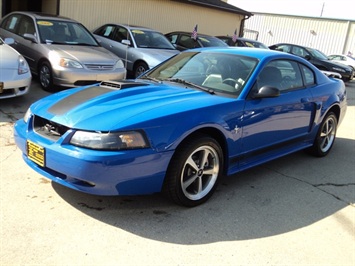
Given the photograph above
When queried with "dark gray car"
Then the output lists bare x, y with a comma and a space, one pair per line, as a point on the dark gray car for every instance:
61, 51
139, 47
316, 57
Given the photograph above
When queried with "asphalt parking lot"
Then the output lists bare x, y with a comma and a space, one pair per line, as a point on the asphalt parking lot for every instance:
298, 210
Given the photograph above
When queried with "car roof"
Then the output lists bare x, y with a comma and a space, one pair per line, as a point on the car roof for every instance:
132, 27
42, 16
283, 43
239, 38
187, 32
246, 51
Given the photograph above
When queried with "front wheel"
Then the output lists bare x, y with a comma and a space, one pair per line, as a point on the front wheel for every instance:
46, 77
192, 175
326, 136
140, 68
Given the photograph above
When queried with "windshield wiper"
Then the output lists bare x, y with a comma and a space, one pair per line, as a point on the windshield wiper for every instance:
189, 83
150, 78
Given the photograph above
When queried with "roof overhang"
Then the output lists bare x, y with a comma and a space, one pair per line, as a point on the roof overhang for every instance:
217, 4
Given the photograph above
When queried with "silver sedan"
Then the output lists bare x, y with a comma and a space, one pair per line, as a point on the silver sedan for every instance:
61, 51
139, 47
15, 75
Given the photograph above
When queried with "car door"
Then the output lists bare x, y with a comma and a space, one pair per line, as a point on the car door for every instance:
276, 125
111, 37
16, 26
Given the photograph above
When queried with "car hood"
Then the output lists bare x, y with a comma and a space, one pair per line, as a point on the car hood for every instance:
84, 54
154, 56
9, 57
134, 105
336, 64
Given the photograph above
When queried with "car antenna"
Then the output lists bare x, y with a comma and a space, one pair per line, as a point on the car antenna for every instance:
129, 15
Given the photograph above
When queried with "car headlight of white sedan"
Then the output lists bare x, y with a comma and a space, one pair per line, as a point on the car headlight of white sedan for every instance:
109, 140
22, 65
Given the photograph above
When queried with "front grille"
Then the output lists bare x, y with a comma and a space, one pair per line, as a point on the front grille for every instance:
99, 67
85, 82
48, 129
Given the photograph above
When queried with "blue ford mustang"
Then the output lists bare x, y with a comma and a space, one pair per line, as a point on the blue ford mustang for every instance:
177, 128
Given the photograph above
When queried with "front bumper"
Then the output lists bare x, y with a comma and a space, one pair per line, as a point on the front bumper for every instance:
130, 172
81, 77
15, 85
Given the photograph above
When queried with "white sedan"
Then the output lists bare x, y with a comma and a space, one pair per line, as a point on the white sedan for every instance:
15, 75
343, 59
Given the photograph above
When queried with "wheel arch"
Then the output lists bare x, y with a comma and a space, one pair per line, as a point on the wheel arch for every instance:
336, 110
40, 62
138, 61
214, 133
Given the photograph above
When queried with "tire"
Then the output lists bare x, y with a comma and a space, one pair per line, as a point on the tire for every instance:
325, 137
187, 183
139, 69
46, 77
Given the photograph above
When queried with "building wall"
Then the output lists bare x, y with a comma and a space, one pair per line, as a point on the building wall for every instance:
49, 6
327, 35
162, 15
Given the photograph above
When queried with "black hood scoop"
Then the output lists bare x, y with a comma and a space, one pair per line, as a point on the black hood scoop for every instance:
121, 84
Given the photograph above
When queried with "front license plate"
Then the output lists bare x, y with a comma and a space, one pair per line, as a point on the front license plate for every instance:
1, 87
36, 153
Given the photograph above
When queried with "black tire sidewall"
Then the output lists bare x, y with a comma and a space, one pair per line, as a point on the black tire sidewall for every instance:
141, 64
316, 149
50, 85
173, 177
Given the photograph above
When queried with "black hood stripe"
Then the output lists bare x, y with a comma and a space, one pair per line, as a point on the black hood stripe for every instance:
70, 102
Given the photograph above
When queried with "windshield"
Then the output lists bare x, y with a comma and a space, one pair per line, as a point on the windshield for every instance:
64, 32
318, 54
151, 39
211, 42
217, 72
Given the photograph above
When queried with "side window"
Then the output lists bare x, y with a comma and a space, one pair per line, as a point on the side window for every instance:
121, 34
284, 48
107, 32
309, 75
187, 41
172, 38
282, 74
299, 51
11, 23
26, 26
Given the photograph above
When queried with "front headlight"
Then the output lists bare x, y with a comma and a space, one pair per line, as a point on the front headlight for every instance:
119, 64
27, 115
109, 140
22, 65
69, 63
338, 69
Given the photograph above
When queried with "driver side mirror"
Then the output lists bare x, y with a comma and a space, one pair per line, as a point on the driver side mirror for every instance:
126, 42
30, 37
266, 92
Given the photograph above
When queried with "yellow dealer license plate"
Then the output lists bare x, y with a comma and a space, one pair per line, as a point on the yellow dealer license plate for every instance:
36, 153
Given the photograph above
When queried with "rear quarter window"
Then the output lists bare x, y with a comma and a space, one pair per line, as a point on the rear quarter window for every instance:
11, 23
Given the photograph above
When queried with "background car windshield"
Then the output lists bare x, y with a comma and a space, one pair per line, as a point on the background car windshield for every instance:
318, 54
220, 72
151, 39
64, 32
211, 42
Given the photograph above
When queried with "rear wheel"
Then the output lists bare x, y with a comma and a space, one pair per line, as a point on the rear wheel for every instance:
46, 76
326, 136
192, 175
